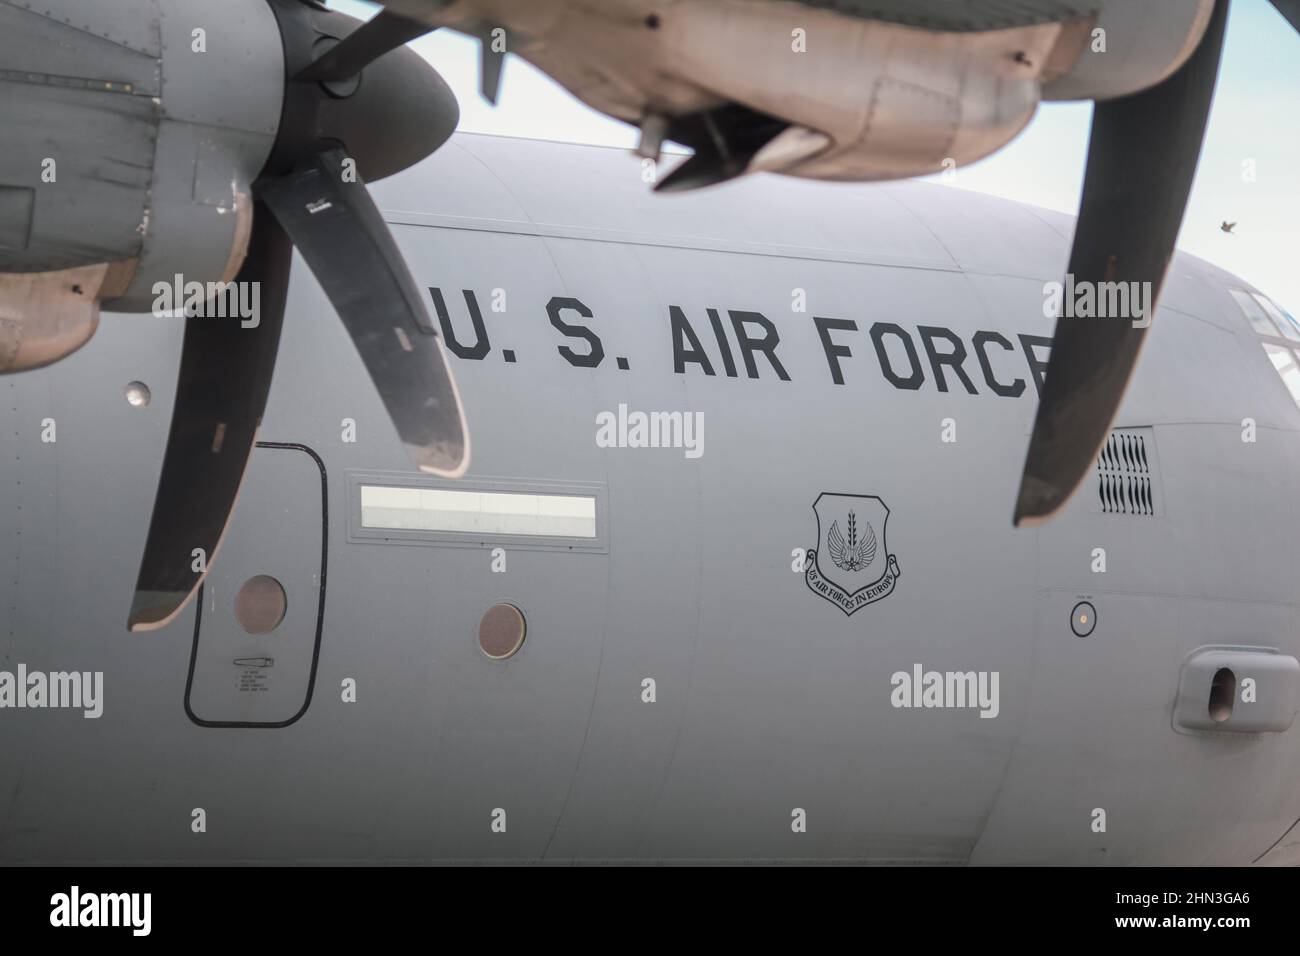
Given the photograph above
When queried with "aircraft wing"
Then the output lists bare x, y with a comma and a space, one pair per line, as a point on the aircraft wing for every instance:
973, 15
961, 16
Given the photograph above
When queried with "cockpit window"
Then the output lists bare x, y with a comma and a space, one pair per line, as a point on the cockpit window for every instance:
1284, 360
1255, 314
1281, 318
1280, 333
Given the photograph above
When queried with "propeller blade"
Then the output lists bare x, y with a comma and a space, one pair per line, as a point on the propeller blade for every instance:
491, 60
225, 376
340, 232
490, 74
1142, 156
383, 33
1289, 9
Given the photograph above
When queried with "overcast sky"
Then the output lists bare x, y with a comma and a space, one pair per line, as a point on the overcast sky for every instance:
1256, 116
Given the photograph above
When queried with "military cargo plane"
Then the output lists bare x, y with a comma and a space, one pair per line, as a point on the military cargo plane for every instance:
664, 672
728, 575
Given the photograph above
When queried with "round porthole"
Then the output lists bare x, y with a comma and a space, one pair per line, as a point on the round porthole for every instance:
260, 604
1083, 619
501, 631
138, 395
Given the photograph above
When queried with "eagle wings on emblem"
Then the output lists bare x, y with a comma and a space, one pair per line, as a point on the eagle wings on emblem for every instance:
855, 553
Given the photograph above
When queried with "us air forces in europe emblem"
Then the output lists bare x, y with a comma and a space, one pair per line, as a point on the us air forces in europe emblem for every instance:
851, 565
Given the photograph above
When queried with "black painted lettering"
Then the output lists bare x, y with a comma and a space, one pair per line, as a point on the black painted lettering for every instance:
719, 333
952, 359
748, 346
981, 342
1036, 365
481, 345
834, 352
912, 382
682, 333
596, 353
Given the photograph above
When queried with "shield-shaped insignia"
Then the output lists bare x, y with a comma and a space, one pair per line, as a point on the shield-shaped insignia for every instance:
851, 565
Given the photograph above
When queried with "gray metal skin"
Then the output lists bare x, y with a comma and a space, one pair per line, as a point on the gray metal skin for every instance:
769, 698
143, 177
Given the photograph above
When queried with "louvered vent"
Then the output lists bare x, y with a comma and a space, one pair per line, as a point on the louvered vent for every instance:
1128, 475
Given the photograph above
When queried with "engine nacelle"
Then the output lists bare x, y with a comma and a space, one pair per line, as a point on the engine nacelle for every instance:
864, 97
133, 131
1132, 46
891, 101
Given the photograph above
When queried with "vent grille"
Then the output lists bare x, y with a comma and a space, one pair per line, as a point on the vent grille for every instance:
1128, 475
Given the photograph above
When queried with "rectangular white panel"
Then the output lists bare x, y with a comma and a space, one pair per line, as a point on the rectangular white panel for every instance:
477, 512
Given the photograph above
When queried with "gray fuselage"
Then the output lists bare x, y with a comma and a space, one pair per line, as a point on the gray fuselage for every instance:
769, 698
